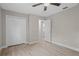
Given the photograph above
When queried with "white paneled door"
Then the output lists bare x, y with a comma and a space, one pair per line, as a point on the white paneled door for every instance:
45, 29
15, 30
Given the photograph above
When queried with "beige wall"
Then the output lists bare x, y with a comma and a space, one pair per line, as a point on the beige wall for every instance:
0, 29
34, 27
65, 27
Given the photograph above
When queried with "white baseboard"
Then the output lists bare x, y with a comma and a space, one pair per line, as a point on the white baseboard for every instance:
60, 44
32, 42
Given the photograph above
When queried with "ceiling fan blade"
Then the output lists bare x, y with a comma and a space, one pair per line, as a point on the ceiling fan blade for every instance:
56, 4
36, 4
45, 8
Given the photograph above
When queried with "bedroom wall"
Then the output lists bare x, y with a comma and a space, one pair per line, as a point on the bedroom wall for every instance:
65, 28
34, 27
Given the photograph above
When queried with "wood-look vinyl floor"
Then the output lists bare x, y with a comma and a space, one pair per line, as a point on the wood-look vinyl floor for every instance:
41, 48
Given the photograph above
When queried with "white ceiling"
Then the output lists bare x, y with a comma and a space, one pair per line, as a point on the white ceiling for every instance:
39, 10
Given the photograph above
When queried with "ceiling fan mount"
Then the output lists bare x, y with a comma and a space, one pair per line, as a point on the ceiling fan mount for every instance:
46, 5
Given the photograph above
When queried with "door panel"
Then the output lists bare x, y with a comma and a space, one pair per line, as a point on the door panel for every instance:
15, 30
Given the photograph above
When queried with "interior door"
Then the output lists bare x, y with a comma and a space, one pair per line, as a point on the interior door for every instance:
45, 29
15, 30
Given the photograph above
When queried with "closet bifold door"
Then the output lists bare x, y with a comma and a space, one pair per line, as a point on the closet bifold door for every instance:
15, 30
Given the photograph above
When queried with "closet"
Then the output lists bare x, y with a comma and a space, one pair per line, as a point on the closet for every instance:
15, 30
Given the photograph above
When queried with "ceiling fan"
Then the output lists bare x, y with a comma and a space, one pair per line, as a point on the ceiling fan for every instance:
46, 4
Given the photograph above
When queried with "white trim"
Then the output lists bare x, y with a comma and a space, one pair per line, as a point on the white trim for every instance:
69, 47
32, 42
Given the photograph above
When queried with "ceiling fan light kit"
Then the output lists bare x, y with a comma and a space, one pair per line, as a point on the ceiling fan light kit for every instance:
46, 5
